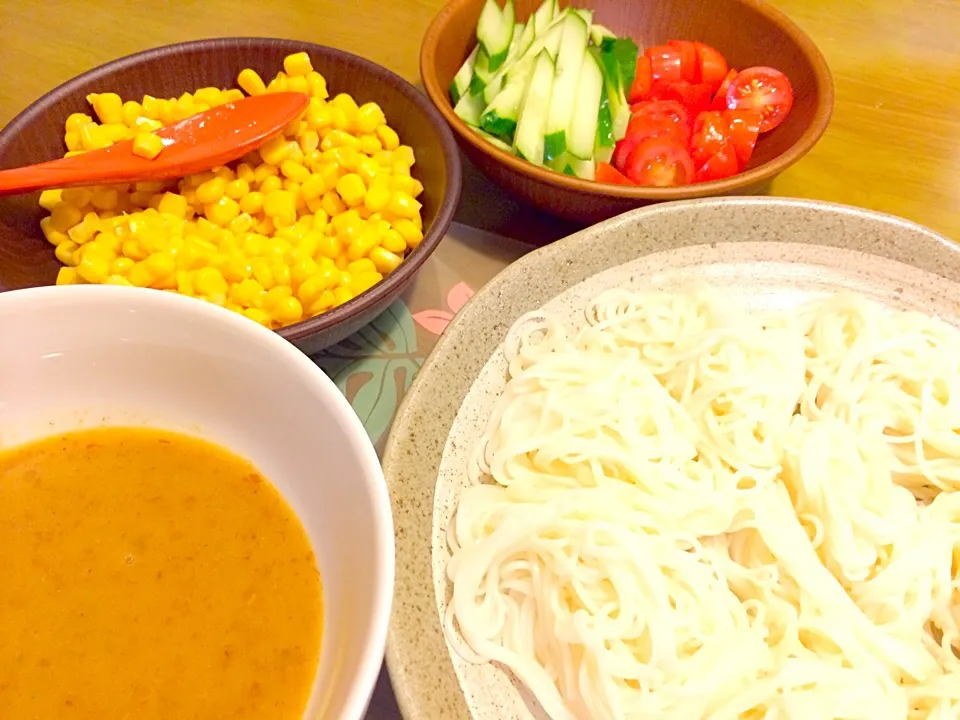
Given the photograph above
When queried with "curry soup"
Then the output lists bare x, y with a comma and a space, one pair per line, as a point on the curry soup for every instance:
146, 574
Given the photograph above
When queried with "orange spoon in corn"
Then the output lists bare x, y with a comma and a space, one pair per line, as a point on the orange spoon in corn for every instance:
195, 144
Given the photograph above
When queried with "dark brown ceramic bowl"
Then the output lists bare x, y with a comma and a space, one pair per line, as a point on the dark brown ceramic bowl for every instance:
36, 134
747, 32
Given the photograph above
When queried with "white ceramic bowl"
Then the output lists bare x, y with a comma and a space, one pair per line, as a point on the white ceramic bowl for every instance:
84, 356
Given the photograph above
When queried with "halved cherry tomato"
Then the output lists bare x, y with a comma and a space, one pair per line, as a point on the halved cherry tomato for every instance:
720, 165
624, 147
744, 128
763, 89
720, 99
606, 173
660, 163
668, 114
665, 63
695, 97
688, 59
712, 66
642, 80
711, 135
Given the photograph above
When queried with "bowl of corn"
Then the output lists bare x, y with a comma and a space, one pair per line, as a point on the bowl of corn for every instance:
312, 235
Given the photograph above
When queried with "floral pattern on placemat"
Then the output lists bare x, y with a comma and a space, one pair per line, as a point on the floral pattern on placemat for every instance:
436, 321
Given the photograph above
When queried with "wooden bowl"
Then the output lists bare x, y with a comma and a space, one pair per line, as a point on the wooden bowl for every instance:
747, 32
36, 134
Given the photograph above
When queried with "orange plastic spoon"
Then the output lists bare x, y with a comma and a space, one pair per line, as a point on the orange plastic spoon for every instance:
198, 143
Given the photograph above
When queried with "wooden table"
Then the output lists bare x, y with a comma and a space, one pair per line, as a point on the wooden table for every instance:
893, 145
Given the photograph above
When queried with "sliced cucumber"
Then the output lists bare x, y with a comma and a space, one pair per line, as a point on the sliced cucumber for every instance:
544, 16
615, 95
605, 137
583, 125
568, 165
500, 116
469, 109
461, 81
533, 117
598, 33
495, 141
585, 15
481, 73
498, 81
495, 31
526, 40
564, 99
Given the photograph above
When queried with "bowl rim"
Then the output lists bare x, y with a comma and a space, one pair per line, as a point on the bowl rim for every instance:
25, 301
754, 176
432, 235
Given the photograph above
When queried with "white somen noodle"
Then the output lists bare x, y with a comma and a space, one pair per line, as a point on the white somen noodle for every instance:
688, 511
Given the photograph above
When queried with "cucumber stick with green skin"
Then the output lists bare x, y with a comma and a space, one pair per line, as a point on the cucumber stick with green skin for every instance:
499, 79
470, 108
564, 100
495, 31
582, 134
500, 116
461, 81
533, 115
481, 73
544, 16
549, 40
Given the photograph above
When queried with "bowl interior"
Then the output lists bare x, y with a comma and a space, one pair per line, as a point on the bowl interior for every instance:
158, 359
748, 34
36, 135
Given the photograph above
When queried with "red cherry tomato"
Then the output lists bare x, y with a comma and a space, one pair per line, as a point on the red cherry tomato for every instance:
695, 97
720, 99
623, 148
688, 59
669, 111
606, 173
744, 128
711, 135
665, 63
712, 66
763, 89
642, 80
659, 162
721, 165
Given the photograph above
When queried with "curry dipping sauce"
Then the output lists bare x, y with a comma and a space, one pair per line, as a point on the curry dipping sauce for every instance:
149, 575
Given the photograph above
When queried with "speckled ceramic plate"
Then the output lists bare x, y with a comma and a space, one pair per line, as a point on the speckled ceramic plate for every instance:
771, 252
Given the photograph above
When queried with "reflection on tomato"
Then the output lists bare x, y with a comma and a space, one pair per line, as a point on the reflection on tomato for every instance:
659, 162
763, 89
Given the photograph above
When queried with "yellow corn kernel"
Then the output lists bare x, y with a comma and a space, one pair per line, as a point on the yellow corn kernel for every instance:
50, 198
247, 293
351, 189
241, 223
173, 204
252, 203
279, 203
264, 171
320, 219
313, 186
65, 251
368, 169
270, 185
388, 137
246, 173
384, 159
235, 267
384, 260
364, 281
275, 150
53, 236
121, 266
377, 198
362, 246
404, 206
301, 270
369, 145
130, 111
115, 132
147, 145
145, 124
361, 266
310, 290
309, 141
410, 233
231, 95
91, 138
211, 191
404, 154
251, 82
258, 316
341, 295
369, 117
236, 189
67, 276
294, 171
118, 280
346, 220
209, 282
208, 95
332, 204
338, 138
330, 172
262, 272
319, 115
346, 103
392, 240
330, 246
76, 121
316, 85
299, 84
133, 250
400, 168
297, 64
222, 211
107, 106
94, 269
105, 198
225, 173
85, 230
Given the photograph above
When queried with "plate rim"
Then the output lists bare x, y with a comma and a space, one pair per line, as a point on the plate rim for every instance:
428, 687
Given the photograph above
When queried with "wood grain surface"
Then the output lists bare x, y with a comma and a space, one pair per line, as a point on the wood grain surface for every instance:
893, 145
